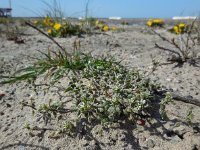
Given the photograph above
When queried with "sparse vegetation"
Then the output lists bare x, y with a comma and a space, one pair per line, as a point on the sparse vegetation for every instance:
189, 116
184, 45
12, 33
6, 20
197, 26
124, 23
179, 29
90, 98
101, 89
155, 23
168, 99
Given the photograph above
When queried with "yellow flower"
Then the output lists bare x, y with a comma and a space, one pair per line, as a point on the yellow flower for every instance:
114, 28
49, 31
176, 29
158, 21
105, 28
182, 25
57, 26
155, 22
149, 23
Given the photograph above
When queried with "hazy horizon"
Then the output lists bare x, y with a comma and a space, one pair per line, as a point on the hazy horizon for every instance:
129, 9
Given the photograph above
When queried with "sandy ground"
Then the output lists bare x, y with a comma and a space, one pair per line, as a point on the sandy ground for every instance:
135, 46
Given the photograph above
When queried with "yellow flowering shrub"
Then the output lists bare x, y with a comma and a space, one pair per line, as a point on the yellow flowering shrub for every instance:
182, 28
55, 28
155, 22
101, 26
179, 29
149, 23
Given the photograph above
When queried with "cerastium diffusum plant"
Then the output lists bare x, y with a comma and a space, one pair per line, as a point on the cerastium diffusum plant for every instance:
100, 89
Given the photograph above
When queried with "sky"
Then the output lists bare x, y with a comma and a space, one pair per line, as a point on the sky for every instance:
108, 8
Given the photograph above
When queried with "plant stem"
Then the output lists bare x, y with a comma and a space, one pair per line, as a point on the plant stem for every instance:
49, 37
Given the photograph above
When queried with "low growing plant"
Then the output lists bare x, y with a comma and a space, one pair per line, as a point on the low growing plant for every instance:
59, 29
155, 23
155, 63
189, 116
65, 29
179, 29
106, 91
102, 26
165, 101
100, 88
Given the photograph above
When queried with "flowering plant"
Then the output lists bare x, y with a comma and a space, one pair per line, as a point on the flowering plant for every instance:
60, 29
105, 28
54, 31
179, 29
155, 22
101, 25
48, 22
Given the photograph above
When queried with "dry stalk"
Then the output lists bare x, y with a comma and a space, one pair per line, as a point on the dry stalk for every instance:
182, 49
49, 37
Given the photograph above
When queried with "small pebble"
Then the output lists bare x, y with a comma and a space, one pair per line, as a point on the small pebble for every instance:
168, 79
175, 139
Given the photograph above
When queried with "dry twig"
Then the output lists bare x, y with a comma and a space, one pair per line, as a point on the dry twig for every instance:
49, 37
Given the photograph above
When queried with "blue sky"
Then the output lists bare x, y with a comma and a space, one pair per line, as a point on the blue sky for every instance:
106, 8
